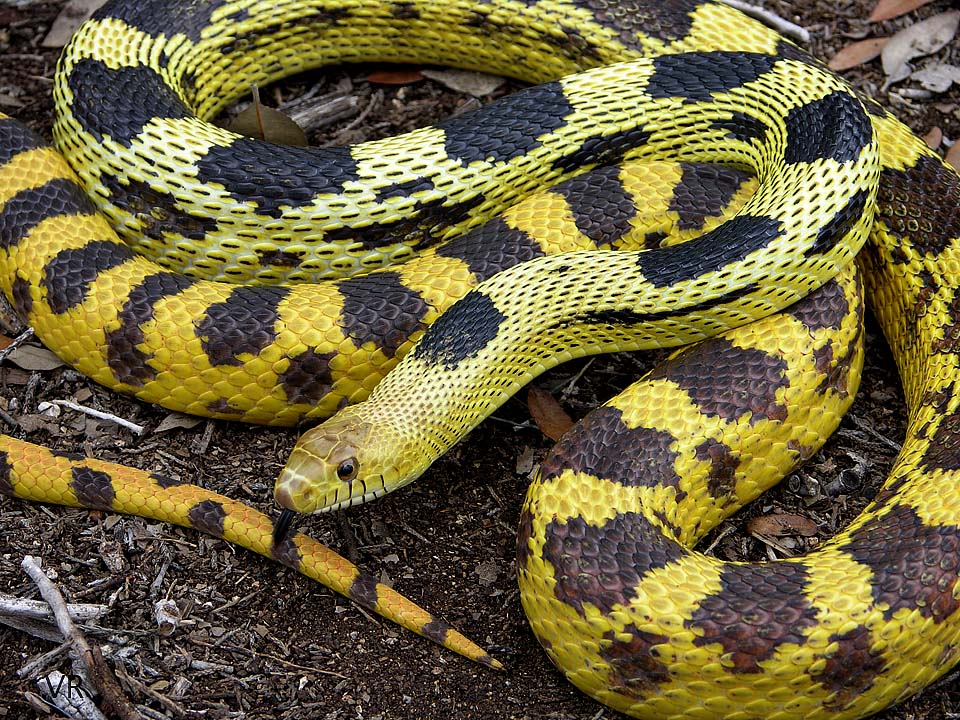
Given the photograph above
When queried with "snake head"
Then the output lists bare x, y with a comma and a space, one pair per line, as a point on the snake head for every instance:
342, 462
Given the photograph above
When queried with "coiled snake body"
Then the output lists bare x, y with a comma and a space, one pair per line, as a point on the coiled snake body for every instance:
621, 604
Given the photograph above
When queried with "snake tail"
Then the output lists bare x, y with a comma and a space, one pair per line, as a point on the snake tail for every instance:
32, 472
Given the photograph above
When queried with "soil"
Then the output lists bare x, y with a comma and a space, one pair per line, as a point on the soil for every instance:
259, 641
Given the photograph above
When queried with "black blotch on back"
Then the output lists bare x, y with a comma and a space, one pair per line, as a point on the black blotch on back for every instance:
70, 273
157, 212
119, 102
835, 127
697, 76
276, 176
491, 248
208, 516
603, 149
30, 207
510, 128
15, 138
601, 206
741, 126
158, 17
127, 362
461, 332
727, 244
837, 227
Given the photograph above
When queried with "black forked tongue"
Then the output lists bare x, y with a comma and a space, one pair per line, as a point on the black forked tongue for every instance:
282, 527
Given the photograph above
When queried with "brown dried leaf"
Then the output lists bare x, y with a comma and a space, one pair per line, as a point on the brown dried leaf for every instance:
887, 9
265, 123
933, 138
473, 83
782, 525
32, 357
547, 413
953, 156
395, 77
858, 53
922, 38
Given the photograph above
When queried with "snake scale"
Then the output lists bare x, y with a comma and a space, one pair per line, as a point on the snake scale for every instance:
621, 603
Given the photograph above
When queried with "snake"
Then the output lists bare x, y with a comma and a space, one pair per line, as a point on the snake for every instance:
864, 622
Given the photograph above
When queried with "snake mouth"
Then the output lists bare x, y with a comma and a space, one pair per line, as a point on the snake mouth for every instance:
353, 500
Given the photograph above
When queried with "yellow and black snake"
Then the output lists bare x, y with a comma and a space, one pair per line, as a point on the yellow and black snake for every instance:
622, 605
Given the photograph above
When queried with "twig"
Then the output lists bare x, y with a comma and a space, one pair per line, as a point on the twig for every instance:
17, 342
99, 414
785, 27
39, 610
87, 659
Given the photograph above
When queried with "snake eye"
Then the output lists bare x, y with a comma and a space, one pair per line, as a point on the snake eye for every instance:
347, 469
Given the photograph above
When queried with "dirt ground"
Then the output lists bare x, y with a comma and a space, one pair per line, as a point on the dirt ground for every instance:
260, 641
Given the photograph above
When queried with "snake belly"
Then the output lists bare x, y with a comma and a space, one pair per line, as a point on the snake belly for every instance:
278, 354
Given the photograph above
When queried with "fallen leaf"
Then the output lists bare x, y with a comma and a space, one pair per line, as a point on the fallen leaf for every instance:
32, 357
952, 157
547, 413
69, 19
858, 53
265, 123
175, 420
933, 138
922, 38
395, 77
937, 77
473, 83
886, 9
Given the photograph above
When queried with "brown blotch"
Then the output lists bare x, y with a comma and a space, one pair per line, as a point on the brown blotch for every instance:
364, 591
602, 565
634, 670
950, 340
741, 381
824, 308
722, 475
915, 566
244, 323
756, 610
492, 248
165, 481
602, 208
919, 205
852, 669
631, 19
524, 534
22, 299
208, 517
601, 445
943, 446
287, 552
93, 488
436, 630
381, 310
307, 379
703, 192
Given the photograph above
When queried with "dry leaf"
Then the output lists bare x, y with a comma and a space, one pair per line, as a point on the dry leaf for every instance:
473, 83
69, 19
395, 77
177, 420
887, 9
952, 157
933, 138
923, 38
937, 77
264, 123
547, 413
32, 357
858, 53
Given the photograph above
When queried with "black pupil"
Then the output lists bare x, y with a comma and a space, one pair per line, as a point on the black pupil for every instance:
345, 470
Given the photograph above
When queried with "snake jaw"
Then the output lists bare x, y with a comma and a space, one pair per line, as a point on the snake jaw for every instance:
327, 469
